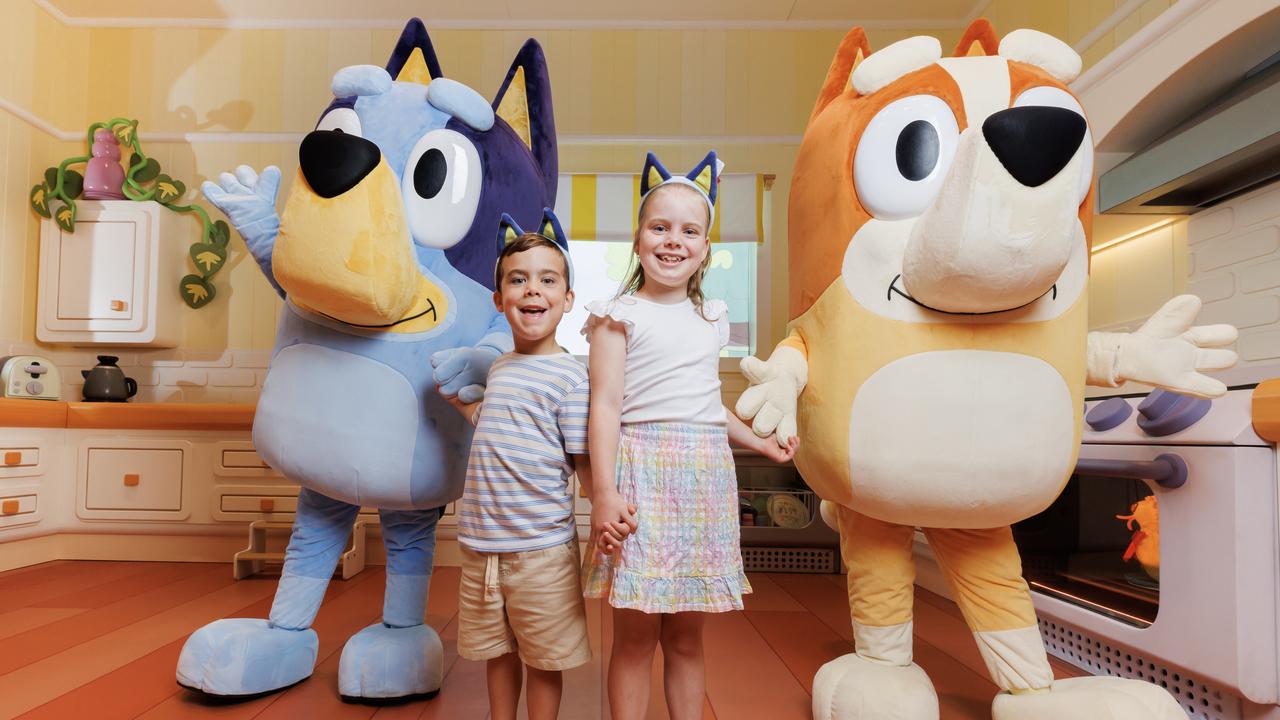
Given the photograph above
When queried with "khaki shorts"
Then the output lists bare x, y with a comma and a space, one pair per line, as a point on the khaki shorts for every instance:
526, 602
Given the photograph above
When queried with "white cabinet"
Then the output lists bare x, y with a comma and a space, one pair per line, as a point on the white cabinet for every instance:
114, 281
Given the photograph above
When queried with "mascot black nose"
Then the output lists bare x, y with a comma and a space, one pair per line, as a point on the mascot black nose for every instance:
333, 162
1035, 142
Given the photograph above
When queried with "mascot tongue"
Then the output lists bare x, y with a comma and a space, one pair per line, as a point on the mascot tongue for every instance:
349, 257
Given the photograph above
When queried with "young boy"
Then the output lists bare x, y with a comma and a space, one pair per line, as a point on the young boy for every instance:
520, 598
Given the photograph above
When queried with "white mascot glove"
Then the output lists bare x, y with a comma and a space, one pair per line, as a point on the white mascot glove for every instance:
1166, 352
775, 387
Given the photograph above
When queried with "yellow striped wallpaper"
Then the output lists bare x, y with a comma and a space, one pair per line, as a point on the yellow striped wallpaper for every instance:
754, 86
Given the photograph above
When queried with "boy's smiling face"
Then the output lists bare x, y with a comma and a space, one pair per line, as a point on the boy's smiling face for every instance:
534, 295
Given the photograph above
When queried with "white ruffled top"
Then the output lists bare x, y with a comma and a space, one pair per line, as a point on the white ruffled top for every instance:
672, 372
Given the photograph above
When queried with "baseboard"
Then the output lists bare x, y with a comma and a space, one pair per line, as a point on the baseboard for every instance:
166, 548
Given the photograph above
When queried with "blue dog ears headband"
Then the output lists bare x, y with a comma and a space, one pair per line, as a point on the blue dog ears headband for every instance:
509, 230
704, 177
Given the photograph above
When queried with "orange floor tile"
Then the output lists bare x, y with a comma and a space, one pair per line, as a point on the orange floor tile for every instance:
101, 640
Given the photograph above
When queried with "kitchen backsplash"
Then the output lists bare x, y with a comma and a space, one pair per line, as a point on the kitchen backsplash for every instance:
176, 375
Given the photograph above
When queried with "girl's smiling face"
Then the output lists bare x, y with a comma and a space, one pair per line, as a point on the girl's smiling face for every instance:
672, 239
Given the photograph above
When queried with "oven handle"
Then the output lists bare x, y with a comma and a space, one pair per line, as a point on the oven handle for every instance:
1167, 470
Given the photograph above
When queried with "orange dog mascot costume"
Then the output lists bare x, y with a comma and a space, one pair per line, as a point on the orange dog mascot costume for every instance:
938, 352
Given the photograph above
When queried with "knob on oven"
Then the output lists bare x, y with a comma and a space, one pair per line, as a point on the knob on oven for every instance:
1108, 414
1165, 413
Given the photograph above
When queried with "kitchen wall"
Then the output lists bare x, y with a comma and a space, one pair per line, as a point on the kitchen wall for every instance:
228, 96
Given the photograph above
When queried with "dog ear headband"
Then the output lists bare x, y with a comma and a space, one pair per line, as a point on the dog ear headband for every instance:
509, 230
704, 177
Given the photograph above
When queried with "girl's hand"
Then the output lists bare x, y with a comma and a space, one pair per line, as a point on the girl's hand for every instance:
609, 541
611, 517
770, 449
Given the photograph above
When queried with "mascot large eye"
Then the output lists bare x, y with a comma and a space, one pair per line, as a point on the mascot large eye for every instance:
904, 155
441, 186
342, 119
1059, 98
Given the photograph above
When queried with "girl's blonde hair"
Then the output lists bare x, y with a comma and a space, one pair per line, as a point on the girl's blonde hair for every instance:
635, 271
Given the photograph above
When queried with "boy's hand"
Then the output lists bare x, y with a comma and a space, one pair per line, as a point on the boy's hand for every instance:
467, 409
612, 520
778, 453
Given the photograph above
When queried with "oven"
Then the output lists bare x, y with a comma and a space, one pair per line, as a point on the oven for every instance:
1159, 560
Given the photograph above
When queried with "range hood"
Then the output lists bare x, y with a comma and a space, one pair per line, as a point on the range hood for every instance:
1226, 149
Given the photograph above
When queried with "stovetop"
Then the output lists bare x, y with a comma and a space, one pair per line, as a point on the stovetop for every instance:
1165, 418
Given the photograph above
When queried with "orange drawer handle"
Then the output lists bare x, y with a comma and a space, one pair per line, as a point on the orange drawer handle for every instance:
118, 305
267, 505
582, 491
9, 507
12, 458
131, 479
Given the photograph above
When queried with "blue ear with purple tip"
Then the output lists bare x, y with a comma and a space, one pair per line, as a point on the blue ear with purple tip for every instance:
550, 229
706, 175
653, 174
508, 231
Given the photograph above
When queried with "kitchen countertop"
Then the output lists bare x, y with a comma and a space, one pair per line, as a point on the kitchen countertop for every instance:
1266, 410
125, 416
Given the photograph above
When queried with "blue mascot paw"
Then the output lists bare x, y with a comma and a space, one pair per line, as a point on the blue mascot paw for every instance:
246, 656
384, 663
463, 371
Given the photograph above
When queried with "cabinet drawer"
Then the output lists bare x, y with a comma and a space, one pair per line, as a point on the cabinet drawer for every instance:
134, 479
259, 503
243, 459
11, 457
14, 505
245, 502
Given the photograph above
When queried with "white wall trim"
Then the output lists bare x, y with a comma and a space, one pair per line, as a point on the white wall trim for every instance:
509, 24
1166, 22
293, 138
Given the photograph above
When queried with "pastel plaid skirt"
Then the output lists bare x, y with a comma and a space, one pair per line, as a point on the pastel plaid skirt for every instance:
685, 555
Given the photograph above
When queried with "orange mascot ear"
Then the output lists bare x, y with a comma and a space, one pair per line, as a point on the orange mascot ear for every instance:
978, 39
853, 49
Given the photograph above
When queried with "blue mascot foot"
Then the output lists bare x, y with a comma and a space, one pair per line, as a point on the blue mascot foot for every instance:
245, 657
382, 663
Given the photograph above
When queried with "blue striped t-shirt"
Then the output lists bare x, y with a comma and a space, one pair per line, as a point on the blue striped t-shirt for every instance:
533, 416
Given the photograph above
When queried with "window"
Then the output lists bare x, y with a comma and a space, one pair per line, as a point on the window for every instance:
599, 267
597, 212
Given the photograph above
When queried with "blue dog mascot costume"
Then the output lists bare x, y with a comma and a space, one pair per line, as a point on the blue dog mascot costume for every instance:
384, 254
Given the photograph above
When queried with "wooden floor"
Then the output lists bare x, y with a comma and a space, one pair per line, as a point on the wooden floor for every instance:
101, 640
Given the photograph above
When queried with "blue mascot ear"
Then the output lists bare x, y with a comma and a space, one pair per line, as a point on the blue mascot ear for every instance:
550, 229
653, 174
524, 102
508, 231
407, 66
706, 175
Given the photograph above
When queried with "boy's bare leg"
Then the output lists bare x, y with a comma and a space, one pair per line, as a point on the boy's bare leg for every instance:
683, 665
544, 693
504, 676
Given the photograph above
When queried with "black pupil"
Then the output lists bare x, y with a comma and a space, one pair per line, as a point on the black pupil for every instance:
917, 150
429, 175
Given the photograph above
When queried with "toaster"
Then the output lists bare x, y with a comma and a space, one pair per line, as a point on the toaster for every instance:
30, 377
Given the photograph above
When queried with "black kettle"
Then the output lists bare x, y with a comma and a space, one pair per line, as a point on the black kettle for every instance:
106, 382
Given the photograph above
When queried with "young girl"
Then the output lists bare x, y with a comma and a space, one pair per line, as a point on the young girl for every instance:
659, 442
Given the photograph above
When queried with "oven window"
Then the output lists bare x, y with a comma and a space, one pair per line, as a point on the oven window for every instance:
1097, 546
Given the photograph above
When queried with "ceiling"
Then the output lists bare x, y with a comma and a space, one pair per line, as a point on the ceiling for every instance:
883, 13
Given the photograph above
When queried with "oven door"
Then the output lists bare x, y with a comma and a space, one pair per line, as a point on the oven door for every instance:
1197, 592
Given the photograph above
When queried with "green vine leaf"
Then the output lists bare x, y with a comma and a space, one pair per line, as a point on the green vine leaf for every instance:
40, 200
51, 178
135, 159
168, 189
220, 235
66, 217
148, 172
196, 292
208, 258
73, 184
124, 133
